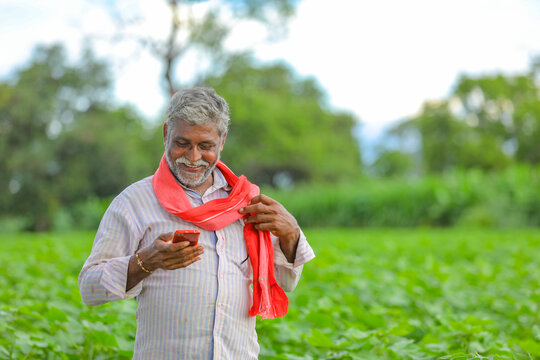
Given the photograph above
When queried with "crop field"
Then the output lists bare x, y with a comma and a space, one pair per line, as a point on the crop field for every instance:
369, 294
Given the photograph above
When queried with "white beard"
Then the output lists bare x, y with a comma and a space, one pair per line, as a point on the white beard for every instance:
190, 180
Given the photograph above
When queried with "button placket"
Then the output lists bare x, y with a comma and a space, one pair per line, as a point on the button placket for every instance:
218, 311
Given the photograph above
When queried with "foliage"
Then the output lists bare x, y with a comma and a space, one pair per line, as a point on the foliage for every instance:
464, 198
392, 163
413, 294
42, 312
200, 30
281, 128
31, 108
487, 122
369, 294
473, 198
63, 141
70, 145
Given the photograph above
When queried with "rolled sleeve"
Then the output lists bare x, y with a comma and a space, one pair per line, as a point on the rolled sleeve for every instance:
288, 274
103, 277
106, 282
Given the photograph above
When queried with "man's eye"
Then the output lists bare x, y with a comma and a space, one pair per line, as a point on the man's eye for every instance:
181, 144
206, 146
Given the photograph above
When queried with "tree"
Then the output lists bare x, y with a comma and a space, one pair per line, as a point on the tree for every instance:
61, 138
281, 129
205, 35
393, 163
448, 142
506, 109
487, 122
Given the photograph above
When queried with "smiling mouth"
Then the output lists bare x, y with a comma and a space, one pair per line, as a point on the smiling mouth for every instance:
193, 168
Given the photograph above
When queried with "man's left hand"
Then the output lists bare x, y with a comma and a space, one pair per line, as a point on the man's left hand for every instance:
270, 215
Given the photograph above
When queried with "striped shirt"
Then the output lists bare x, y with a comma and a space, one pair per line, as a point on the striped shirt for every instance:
196, 312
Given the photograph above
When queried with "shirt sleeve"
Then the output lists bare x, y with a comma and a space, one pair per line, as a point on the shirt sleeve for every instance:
103, 277
288, 274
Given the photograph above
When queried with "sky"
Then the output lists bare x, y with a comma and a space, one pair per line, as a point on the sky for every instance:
379, 60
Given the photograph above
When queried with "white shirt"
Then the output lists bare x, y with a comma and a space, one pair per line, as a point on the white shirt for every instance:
196, 312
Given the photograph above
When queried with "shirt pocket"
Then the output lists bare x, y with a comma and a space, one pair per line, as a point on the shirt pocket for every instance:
234, 247
240, 259
147, 237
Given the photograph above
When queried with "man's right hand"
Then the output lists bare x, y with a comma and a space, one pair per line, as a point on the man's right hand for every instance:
164, 254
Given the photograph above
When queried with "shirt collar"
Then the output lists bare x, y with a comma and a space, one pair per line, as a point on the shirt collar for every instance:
219, 183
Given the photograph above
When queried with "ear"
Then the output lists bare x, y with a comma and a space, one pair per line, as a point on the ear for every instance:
223, 142
165, 129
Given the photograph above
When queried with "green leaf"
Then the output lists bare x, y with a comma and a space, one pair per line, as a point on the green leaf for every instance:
55, 314
320, 339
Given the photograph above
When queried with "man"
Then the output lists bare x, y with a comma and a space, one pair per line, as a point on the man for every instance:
195, 302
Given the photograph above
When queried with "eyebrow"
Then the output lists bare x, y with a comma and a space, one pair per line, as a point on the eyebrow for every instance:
176, 138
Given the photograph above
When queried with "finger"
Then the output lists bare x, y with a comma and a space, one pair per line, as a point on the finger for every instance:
256, 208
255, 199
179, 245
184, 264
259, 218
261, 198
183, 258
265, 227
188, 251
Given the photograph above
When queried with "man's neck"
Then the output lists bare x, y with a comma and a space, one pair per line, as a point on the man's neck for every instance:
201, 189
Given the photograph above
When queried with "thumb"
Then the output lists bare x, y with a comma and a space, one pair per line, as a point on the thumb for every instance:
162, 242
166, 237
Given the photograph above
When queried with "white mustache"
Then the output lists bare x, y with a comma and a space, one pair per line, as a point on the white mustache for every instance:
184, 161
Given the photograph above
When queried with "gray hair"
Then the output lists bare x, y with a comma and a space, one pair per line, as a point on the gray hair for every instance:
199, 106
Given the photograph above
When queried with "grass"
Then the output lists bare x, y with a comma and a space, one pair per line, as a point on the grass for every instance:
369, 294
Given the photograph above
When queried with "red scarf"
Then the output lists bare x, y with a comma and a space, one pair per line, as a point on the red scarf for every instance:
269, 299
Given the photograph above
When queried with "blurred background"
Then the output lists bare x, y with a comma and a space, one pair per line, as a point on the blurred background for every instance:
351, 113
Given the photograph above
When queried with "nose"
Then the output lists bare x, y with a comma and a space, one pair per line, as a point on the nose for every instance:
193, 154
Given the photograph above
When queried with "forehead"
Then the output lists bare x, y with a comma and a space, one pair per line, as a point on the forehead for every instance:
205, 132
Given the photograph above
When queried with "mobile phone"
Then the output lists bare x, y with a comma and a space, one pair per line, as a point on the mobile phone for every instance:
187, 235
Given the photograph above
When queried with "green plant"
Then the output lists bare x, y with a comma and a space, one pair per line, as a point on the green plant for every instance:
369, 294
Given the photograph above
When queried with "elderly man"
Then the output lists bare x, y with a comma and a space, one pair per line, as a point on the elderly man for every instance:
196, 302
